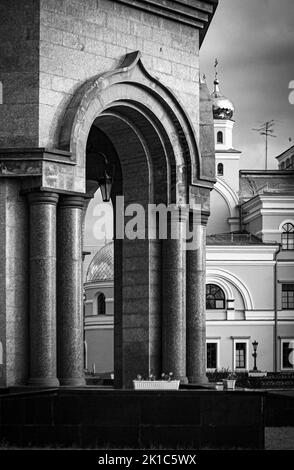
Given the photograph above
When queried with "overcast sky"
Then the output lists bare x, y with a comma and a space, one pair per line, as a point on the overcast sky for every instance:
254, 43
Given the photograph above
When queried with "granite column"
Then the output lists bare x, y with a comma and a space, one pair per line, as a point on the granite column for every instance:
69, 291
174, 300
43, 289
196, 305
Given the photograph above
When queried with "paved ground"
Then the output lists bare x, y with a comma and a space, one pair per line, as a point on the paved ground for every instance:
279, 438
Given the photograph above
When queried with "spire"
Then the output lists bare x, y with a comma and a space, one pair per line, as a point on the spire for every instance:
216, 80
222, 107
203, 79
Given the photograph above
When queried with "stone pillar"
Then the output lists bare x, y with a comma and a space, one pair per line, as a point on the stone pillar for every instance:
174, 298
43, 289
196, 302
69, 291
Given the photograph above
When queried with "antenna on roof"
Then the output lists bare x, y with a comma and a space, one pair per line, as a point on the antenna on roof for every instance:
266, 129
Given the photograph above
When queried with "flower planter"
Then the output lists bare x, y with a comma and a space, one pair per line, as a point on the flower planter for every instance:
219, 386
229, 384
257, 374
156, 384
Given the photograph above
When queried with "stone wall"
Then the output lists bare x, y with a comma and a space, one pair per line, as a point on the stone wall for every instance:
187, 419
19, 73
79, 40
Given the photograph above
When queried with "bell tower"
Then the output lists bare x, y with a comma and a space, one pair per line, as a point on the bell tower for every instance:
226, 157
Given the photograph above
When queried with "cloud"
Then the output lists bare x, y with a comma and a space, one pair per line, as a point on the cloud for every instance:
253, 41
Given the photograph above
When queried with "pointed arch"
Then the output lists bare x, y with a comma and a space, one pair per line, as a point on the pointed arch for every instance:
128, 91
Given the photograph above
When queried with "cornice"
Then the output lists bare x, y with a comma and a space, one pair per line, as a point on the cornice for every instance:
197, 14
28, 162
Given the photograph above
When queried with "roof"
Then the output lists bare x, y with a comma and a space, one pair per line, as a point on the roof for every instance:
234, 238
254, 182
286, 153
228, 151
101, 266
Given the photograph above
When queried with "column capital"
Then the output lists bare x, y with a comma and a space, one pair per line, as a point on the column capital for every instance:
43, 197
204, 217
199, 217
76, 202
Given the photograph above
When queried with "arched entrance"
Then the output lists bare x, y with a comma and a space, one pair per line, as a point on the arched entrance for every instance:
149, 142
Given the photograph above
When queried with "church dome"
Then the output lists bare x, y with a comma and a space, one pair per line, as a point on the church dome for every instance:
222, 107
101, 266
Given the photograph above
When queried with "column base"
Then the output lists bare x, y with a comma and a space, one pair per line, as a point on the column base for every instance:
184, 380
72, 382
47, 382
198, 380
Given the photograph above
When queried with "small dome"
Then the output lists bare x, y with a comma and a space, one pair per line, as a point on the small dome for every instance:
101, 266
222, 107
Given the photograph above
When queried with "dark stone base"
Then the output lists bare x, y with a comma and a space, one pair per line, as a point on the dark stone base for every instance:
137, 419
198, 380
44, 382
279, 409
72, 382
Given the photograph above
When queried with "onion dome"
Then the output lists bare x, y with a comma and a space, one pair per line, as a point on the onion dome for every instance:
101, 266
222, 107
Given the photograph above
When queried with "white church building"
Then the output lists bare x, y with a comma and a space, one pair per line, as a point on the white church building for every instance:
250, 265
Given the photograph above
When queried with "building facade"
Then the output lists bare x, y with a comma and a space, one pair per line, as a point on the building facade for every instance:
249, 265
91, 87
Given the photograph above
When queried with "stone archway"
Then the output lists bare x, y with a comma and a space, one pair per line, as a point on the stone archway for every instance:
159, 163
159, 287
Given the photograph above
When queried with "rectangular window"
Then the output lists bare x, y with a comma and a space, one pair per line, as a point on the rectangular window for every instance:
288, 241
288, 296
287, 354
211, 355
240, 355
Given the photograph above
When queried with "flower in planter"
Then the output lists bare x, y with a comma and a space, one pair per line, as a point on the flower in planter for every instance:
232, 375
167, 377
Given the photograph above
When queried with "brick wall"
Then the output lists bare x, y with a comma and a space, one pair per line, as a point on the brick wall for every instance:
81, 39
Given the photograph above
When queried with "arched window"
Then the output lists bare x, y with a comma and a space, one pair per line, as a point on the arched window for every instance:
282, 165
288, 163
101, 304
220, 169
288, 237
220, 137
215, 297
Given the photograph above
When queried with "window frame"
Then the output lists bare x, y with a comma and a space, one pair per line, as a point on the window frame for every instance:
288, 233
242, 341
224, 299
285, 340
97, 305
220, 172
221, 140
217, 342
282, 301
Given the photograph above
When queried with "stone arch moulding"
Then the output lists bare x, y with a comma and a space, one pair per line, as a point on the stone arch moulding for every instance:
286, 221
131, 85
229, 196
225, 286
223, 278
